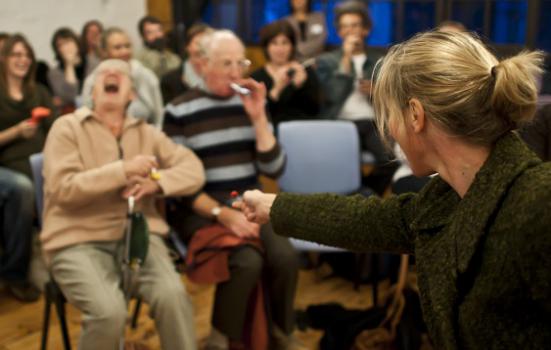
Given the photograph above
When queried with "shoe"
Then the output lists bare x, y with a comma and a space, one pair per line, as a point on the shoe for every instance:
23, 291
282, 341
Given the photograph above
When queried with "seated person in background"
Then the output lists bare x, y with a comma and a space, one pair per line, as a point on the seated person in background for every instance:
537, 134
66, 79
20, 137
310, 29
233, 137
93, 161
147, 103
345, 78
187, 75
293, 91
155, 55
90, 39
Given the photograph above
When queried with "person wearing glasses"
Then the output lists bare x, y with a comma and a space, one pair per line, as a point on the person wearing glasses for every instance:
20, 137
233, 137
345, 77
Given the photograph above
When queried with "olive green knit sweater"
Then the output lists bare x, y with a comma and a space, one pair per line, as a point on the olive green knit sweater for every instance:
483, 262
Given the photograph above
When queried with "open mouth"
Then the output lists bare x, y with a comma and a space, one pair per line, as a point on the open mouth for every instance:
111, 84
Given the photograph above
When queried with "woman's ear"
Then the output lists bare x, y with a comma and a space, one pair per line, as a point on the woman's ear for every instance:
417, 115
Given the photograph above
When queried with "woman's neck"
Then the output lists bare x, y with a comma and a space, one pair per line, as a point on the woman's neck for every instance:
276, 66
300, 15
458, 162
15, 87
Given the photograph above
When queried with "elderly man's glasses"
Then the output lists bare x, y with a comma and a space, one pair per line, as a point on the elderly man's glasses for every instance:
227, 65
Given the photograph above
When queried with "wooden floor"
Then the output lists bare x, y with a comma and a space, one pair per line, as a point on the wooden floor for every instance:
20, 324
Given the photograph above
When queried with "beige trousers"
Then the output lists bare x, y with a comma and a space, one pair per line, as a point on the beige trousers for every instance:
90, 277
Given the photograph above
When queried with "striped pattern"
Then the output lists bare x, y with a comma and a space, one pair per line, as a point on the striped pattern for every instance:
221, 134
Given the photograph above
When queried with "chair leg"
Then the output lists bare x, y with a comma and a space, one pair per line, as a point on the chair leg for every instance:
46, 321
136, 314
60, 308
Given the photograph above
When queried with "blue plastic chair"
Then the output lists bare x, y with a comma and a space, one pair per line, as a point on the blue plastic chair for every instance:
322, 156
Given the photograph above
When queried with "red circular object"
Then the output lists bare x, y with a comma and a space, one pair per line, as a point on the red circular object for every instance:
234, 194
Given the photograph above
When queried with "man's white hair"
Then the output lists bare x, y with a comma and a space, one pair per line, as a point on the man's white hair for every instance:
212, 40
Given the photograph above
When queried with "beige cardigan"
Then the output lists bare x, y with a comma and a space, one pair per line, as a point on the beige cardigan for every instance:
84, 178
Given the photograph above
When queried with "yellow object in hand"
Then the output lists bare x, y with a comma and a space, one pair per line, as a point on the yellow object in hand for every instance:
154, 174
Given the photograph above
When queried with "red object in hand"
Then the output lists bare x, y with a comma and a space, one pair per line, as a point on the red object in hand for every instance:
39, 113
234, 194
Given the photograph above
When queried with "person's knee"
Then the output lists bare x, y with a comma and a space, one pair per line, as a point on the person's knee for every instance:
19, 187
284, 259
168, 294
246, 261
110, 316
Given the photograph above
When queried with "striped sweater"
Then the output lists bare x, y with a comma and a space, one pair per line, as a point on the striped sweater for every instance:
219, 131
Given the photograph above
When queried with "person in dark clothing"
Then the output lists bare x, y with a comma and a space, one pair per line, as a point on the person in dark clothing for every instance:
20, 137
537, 134
293, 90
480, 228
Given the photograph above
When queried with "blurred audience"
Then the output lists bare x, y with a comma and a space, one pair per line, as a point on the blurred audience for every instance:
67, 78
147, 102
187, 75
310, 29
345, 76
90, 39
293, 90
86, 185
155, 55
20, 136
232, 135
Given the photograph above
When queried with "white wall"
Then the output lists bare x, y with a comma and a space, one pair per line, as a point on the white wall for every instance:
38, 19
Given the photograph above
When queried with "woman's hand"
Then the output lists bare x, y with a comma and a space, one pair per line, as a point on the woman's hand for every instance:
300, 74
237, 223
26, 129
256, 206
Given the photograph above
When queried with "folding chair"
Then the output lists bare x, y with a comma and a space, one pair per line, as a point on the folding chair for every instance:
52, 292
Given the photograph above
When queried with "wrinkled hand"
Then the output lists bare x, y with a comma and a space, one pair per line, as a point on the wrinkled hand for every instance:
256, 206
255, 102
26, 129
236, 222
140, 165
139, 187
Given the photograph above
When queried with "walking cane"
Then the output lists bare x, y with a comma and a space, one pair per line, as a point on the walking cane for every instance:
136, 244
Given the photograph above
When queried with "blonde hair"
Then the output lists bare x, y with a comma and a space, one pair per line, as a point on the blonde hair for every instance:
463, 88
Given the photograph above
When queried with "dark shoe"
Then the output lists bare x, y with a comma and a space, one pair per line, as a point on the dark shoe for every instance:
24, 291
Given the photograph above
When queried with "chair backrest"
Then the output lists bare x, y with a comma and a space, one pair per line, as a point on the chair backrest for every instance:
322, 156
37, 161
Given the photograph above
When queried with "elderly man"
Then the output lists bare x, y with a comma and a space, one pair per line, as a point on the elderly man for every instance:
147, 103
234, 139
93, 161
154, 55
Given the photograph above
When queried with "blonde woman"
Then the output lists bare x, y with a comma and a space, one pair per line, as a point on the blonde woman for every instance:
480, 229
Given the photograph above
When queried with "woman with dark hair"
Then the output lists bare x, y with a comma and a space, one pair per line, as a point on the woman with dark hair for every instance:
293, 91
20, 137
310, 29
90, 38
66, 79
